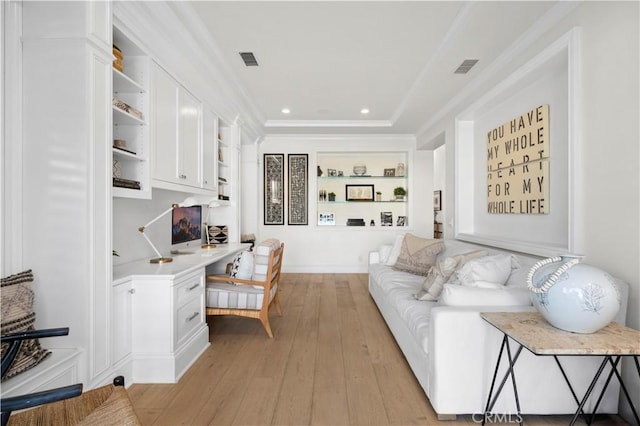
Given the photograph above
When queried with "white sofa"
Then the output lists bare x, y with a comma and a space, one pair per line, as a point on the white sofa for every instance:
453, 351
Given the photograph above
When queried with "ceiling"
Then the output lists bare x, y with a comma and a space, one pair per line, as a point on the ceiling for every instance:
327, 60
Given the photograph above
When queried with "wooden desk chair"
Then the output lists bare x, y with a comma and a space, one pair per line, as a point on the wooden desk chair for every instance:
247, 297
106, 405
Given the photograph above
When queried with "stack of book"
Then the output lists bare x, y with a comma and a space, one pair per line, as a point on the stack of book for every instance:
126, 183
355, 222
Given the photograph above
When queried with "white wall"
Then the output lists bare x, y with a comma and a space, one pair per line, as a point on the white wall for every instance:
338, 249
608, 93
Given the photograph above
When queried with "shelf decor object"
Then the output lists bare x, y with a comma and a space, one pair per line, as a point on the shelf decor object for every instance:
188, 202
359, 192
359, 169
298, 189
386, 219
326, 219
399, 193
273, 189
437, 200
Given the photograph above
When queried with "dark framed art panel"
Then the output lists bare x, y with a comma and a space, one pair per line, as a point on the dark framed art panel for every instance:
298, 176
273, 189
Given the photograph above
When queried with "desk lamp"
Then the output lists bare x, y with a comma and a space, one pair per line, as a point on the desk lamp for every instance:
209, 244
188, 202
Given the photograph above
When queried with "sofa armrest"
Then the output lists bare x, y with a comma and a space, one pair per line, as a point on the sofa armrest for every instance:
463, 348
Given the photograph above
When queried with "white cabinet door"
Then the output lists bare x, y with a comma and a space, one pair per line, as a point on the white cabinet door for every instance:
209, 148
190, 113
165, 126
121, 314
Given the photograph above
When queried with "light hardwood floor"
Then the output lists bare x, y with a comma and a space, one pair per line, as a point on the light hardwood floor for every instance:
332, 362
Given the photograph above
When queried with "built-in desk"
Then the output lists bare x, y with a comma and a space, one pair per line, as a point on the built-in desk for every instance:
159, 323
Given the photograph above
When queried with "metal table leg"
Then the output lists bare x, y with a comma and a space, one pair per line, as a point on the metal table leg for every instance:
510, 371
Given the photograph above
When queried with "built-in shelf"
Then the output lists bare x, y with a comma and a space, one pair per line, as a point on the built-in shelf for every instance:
129, 86
383, 172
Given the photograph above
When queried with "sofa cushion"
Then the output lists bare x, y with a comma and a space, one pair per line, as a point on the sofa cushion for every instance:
417, 254
224, 295
399, 288
440, 272
457, 295
488, 271
17, 315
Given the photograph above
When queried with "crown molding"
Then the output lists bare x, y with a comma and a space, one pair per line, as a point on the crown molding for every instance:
459, 22
328, 123
342, 136
542, 26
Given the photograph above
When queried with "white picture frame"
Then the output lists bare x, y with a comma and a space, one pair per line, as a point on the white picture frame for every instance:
326, 219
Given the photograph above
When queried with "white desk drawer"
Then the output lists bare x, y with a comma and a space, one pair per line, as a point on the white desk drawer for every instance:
189, 287
188, 317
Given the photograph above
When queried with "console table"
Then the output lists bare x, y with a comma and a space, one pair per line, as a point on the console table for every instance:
159, 319
531, 331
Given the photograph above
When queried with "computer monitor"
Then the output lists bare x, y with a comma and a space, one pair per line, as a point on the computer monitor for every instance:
186, 227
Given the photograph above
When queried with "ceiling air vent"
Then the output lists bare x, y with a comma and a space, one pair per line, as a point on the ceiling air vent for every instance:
465, 66
249, 59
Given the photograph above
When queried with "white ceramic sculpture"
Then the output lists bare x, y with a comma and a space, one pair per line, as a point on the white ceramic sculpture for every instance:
573, 296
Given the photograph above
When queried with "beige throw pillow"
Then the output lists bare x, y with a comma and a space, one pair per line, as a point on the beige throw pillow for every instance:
417, 254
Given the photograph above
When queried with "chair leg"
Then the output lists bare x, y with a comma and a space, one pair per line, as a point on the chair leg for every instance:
264, 319
276, 302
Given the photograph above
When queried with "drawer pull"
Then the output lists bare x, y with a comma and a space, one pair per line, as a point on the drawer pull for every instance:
192, 317
132, 291
193, 287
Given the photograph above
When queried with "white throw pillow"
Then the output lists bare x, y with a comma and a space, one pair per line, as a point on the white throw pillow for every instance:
395, 250
245, 270
487, 271
456, 295
383, 253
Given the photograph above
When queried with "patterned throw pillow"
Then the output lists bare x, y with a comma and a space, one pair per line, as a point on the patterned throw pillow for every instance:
242, 266
440, 273
17, 315
418, 254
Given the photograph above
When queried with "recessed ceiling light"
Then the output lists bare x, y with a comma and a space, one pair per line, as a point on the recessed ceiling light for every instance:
286, 111
364, 111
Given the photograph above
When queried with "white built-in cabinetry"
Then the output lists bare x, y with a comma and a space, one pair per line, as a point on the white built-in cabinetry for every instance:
176, 132
209, 147
65, 183
65, 180
171, 329
186, 140
159, 319
131, 162
122, 294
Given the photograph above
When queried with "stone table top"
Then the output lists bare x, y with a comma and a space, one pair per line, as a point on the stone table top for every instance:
533, 332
